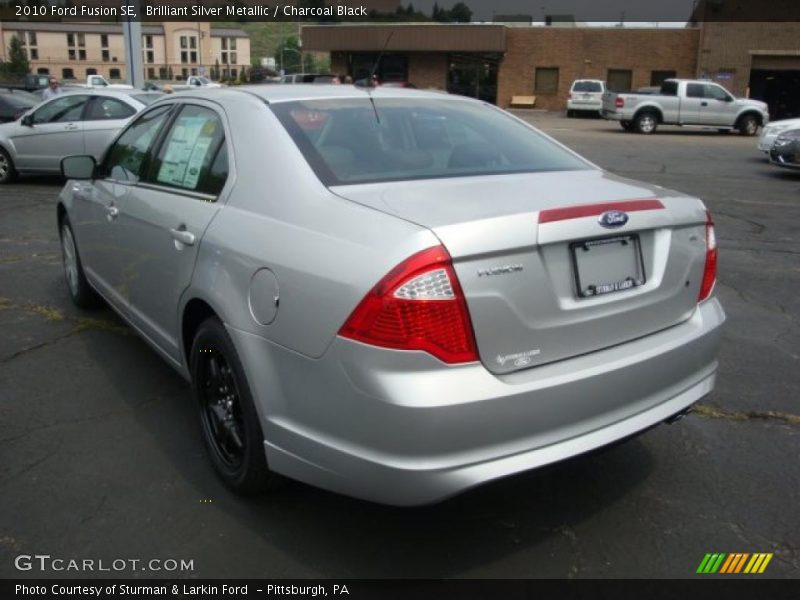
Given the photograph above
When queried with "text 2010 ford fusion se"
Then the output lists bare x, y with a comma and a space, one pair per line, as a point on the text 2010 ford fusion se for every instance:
393, 294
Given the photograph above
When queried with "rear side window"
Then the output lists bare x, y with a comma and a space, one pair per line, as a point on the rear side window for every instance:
193, 156
669, 88
105, 109
126, 159
349, 141
587, 86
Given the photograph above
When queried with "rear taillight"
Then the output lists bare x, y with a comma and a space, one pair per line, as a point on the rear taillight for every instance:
619, 102
419, 305
710, 272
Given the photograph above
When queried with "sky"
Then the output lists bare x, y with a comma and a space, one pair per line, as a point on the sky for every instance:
584, 10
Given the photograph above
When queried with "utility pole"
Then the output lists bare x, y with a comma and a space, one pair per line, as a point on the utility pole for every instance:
132, 38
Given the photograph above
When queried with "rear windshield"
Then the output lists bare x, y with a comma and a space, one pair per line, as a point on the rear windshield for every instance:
587, 86
349, 141
17, 100
147, 99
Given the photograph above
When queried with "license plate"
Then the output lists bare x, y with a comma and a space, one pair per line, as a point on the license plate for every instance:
607, 265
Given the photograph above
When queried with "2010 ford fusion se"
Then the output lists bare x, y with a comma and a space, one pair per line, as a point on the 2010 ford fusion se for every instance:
389, 293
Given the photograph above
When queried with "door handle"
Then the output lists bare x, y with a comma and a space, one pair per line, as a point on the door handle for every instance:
184, 237
71, 126
704, 104
113, 212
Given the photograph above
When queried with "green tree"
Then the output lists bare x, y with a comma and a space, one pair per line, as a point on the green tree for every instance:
243, 75
287, 55
460, 13
17, 65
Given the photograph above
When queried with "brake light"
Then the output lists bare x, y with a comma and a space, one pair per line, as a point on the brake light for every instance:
418, 305
710, 271
619, 102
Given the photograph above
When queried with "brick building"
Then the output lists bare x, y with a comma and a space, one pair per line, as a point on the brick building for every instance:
495, 62
73, 50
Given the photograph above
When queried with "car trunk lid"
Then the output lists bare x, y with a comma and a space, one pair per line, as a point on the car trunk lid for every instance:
544, 280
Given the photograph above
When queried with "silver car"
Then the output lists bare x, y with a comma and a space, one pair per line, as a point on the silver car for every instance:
75, 122
393, 294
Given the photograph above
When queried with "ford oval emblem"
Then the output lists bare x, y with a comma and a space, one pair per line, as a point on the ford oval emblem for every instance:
613, 218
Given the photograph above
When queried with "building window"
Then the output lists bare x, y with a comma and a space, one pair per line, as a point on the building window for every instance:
67, 73
184, 72
148, 41
619, 80
32, 38
91, 72
233, 73
227, 53
29, 44
114, 74
162, 73
151, 73
546, 80
105, 55
149, 57
658, 77
33, 53
193, 56
76, 46
103, 40
43, 71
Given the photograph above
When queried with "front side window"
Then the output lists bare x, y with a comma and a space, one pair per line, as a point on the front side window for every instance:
189, 158
350, 141
715, 92
61, 110
126, 160
102, 109
695, 90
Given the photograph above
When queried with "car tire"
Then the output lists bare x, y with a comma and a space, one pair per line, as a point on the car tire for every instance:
82, 294
7, 171
645, 123
748, 125
228, 418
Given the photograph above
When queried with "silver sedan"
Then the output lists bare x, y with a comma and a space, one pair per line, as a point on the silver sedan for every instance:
74, 122
393, 294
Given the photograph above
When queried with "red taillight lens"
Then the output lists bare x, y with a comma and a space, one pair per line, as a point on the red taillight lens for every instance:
619, 102
419, 305
710, 272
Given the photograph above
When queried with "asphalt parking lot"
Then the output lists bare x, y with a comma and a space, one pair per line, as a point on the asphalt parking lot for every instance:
102, 456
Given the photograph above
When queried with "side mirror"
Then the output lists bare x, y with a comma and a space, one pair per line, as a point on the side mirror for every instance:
27, 120
78, 167
729, 98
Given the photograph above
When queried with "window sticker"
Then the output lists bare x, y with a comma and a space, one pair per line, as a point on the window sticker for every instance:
187, 151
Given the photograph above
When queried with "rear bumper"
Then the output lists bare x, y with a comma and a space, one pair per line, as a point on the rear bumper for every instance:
593, 105
401, 428
610, 115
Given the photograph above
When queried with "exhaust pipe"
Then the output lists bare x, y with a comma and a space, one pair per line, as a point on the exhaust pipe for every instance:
678, 416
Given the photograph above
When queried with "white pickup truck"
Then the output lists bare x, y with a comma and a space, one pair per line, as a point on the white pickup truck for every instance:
98, 81
685, 102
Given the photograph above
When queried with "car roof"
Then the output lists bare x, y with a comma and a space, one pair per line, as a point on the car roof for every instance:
290, 93
114, 93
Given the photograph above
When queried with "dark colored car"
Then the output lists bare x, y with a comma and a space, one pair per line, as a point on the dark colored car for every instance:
785, 152
14, 103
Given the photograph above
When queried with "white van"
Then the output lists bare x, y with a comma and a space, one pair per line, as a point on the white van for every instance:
585, 95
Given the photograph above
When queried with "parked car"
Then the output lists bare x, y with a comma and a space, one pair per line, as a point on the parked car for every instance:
80, 121
785, 152
368, 322
585, 95
201, 81
14, 103
771, 132
319, 78
685, 102
30, 83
